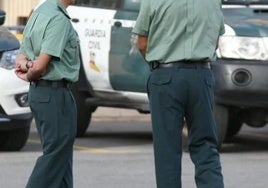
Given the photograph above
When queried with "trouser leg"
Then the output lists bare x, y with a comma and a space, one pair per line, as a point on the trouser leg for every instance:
202, 130
167, 122
55, 114
68, 176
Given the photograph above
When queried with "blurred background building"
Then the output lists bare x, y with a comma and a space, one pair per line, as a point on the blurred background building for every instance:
17, 11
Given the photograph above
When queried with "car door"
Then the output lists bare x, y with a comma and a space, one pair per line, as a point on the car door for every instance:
127, 69
93, 19
110, 56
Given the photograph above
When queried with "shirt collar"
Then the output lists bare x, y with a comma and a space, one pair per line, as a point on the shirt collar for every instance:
61, 7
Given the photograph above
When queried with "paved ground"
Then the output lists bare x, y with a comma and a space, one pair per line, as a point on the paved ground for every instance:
117, 152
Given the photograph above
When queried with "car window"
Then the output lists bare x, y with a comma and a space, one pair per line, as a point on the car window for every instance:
129, 5
245, 2
107, 4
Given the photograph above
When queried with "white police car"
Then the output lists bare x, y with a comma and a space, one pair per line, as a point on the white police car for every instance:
15, 116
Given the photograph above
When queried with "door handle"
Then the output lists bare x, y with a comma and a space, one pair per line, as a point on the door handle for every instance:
117, 24
75, 20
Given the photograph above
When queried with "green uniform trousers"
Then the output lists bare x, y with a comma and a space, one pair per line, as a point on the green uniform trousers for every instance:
54, 111
175, 93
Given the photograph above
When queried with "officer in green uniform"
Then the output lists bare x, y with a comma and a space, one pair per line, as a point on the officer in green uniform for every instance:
49, 60
178, 40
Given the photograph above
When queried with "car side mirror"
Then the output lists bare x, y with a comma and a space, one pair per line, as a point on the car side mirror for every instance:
2, 17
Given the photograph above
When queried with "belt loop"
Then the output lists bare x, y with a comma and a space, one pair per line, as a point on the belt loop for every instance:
200, 66
154, 65
33, 83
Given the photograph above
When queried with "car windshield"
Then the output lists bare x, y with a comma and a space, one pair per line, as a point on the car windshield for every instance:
245, 2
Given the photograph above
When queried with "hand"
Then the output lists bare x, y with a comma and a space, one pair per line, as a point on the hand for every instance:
22, 75
21, 66
29, 64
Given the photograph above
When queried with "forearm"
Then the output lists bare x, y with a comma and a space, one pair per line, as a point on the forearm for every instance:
143, 53
39, 67
142, 43
34, 73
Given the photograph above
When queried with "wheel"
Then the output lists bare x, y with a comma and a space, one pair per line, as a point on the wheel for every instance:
234, 124
83, 112
14, 140
83, 117
221, 119
185, 140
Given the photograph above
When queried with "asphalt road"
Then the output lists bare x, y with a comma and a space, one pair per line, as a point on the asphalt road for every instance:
119, 154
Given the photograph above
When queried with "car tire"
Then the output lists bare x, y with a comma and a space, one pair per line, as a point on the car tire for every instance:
14, 140
221, 119
234, 124
185, 141
83, 112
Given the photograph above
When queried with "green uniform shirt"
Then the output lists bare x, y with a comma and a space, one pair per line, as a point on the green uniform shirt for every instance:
180, 30
50, 31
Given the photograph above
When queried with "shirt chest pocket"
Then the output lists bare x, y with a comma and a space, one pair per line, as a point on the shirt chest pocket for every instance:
73, 43
72, 48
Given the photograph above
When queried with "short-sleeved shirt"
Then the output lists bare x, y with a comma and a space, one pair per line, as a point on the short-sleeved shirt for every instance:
180, 30
50, 31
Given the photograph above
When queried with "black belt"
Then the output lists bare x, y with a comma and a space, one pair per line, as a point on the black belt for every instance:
180, 64
52, 83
